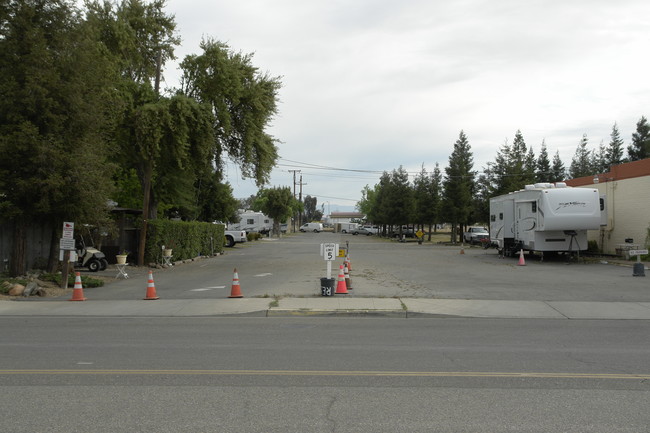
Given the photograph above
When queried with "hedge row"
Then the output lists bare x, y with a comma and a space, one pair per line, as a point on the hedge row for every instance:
186, 239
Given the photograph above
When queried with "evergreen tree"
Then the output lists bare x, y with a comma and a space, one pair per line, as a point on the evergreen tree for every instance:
367, 205
54, 113
215, 200
530, 167
543, 172
399, 203
427, 200
640, 147
599, 160
581, 164
614, 153
558, 170
498, 173
436, 194
518, 162
458, 185
514, 167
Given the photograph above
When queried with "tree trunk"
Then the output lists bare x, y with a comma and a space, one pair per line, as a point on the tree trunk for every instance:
146, 187
53, 259
17, 264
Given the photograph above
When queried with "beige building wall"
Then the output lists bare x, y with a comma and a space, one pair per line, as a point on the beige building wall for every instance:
628, 214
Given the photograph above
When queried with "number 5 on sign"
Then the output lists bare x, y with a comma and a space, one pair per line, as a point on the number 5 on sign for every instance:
328, 251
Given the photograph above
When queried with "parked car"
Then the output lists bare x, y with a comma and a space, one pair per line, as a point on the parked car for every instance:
407, 232
372, 229
476, 235
362, 231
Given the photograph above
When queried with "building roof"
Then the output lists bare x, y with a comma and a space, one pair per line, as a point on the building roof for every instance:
347, 215
616, 172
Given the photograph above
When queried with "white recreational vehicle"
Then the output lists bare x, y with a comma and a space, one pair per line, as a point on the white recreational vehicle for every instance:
544, 217
253, 222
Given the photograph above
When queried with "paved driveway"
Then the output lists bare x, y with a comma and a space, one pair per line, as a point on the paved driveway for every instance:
292, 266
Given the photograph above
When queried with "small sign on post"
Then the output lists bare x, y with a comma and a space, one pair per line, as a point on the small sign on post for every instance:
66, 245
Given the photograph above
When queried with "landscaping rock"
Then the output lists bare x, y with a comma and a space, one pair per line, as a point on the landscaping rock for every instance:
16, 290
30, 289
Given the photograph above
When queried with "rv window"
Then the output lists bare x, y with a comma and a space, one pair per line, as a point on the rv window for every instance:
501, 216
602, 204
534, 206
250, 221
493, 218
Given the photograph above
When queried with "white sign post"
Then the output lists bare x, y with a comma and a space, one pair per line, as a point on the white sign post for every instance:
66, 245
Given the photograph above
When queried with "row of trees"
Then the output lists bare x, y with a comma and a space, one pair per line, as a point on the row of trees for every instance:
83, 120
461, 196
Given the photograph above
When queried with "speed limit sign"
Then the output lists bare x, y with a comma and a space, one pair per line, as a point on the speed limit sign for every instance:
329, 251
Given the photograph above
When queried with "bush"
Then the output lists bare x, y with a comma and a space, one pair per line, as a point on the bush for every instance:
253, 236
186, 239
592, 247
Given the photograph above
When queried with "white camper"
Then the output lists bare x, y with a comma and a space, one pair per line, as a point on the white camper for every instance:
253, 222
544, 217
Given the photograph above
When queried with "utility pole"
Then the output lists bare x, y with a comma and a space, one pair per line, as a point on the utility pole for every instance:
294, 194
300, 198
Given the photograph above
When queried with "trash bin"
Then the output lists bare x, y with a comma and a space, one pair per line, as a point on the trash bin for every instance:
638, 270
327, 286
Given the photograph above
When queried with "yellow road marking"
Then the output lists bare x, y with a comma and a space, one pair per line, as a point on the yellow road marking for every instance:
474, 374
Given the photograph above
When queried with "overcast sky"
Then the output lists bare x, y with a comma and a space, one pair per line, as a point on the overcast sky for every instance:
372, 85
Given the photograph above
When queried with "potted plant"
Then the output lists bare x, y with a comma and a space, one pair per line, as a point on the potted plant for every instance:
121, 257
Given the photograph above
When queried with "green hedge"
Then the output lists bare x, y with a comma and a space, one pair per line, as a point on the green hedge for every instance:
186, 239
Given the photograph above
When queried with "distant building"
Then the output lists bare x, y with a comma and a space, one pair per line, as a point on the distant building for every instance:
345, 217
626, 188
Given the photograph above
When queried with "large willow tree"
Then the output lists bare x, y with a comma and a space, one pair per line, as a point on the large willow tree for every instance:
243, 102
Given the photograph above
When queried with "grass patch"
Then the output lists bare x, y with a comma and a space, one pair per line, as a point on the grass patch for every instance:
86, 282
275, 302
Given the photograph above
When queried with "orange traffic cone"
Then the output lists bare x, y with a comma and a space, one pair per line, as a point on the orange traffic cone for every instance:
346, 272
151, 289
522, 262
462, 250
235, 291
349, 262
341, 288
78, 290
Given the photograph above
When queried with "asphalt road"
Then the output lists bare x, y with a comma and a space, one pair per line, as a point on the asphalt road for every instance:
292, 266
323, 375
336, 374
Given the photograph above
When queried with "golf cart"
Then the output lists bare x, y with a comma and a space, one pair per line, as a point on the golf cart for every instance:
89, 257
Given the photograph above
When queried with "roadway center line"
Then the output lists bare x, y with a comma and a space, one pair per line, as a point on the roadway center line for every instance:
472, 374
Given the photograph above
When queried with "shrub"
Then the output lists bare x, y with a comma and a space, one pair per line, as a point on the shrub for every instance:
592, 247
186, 239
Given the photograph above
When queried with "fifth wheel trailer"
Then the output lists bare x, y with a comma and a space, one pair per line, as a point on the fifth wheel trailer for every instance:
544, 217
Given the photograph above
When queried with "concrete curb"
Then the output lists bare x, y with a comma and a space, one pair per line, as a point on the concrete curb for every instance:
334, 307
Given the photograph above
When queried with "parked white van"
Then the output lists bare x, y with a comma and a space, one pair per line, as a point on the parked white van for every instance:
312, 227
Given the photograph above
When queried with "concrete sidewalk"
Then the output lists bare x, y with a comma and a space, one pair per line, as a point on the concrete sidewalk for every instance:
332, 306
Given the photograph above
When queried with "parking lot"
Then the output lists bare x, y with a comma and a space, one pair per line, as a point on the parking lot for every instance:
292, 266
